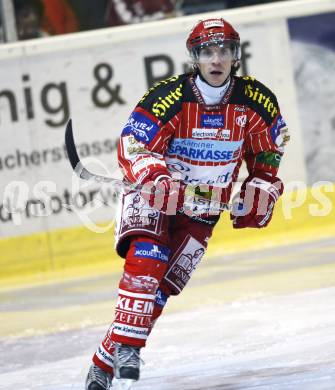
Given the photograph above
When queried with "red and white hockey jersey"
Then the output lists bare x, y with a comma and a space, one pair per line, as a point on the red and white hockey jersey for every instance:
172, 131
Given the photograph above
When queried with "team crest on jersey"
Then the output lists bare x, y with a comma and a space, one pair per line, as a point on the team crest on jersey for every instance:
212, 121
241, 120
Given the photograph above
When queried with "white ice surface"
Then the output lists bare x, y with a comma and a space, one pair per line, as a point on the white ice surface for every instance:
279, 342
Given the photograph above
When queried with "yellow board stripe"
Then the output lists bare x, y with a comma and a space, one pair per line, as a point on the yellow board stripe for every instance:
77, 252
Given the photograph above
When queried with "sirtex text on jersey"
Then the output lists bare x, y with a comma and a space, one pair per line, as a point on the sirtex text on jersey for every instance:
260, 98
160, 108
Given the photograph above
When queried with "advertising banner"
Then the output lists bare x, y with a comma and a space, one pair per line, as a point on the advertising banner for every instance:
97, 78
313, 56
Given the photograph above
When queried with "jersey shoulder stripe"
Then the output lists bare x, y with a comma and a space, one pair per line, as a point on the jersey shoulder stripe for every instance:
257, 96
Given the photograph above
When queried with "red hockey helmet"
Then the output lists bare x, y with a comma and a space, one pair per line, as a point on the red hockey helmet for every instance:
214, 31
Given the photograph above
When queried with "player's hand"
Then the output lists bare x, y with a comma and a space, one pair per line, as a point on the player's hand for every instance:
164, 194
253, 205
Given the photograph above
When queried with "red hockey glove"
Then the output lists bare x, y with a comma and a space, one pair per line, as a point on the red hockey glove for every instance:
164, 194
253, 205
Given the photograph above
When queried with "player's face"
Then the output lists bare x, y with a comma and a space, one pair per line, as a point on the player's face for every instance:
215, 63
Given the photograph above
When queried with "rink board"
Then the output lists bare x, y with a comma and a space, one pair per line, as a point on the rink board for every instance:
262, 324
74, 252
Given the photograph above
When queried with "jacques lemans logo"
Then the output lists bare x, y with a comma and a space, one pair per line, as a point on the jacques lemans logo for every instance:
152, 251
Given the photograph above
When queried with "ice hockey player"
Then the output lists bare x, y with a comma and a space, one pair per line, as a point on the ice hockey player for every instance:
192, 129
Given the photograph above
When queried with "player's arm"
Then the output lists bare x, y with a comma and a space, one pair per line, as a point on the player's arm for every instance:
144, 141
149, 129
142, 145
264, 146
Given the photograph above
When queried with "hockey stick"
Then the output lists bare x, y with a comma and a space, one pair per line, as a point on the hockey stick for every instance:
78, 166
85, 174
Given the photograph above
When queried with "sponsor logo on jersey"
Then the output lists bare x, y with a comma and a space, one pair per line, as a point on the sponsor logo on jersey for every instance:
204, 133
132, 319
218, 175
160, 107
240, 109
221, 180
213, 23
178, 167
141, 127
223, 134
145, 162
241, 120
257, 95
132, 147
104, 356
130, 331
275, 130
161, 298
152, 251
211, 133
184, 265
163, 82
140, 306
269, 158
212, 121
211, 151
